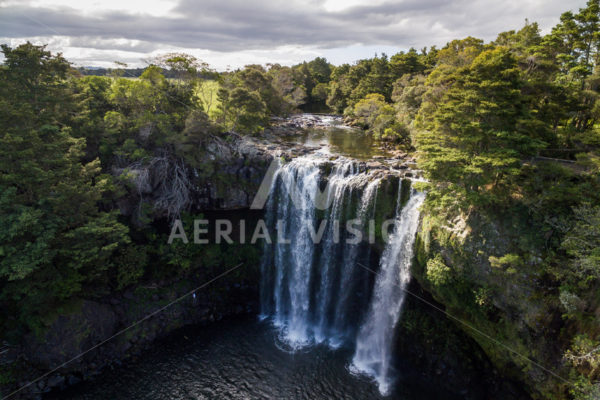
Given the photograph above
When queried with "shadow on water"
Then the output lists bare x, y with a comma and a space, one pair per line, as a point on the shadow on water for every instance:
238, 359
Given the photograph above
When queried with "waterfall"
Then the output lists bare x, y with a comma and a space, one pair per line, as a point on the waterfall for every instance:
316, 291
338, 190
375, 338
349, 270
305, 287
291, 280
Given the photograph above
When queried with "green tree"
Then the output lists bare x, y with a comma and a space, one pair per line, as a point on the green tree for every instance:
407, 63
477, 135
243, 110
339, 89
379, 117
288, 84
408, 96
320, 70
91, 95
582, 242
54, 240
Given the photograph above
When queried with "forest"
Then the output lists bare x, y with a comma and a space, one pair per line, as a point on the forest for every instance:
501, 128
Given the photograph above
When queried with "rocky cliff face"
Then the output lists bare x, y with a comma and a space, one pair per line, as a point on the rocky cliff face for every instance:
225, 174
92, 322
484, 271
438, 352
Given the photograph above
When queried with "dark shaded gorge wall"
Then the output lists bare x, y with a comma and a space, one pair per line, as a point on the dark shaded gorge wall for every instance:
453, 265
88, 322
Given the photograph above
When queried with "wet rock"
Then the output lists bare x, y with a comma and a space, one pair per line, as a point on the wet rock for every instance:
375, 165
304, 121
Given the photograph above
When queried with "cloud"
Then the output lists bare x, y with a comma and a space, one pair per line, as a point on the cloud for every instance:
227, 27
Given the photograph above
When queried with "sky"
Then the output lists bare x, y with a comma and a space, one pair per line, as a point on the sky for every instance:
233, 33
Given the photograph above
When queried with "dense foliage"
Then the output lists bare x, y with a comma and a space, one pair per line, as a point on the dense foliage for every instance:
54, 236
510, 129
69, 149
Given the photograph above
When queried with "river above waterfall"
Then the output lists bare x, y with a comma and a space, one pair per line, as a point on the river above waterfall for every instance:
330, 133
240, 359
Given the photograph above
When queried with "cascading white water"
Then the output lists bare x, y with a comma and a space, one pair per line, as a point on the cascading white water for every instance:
374, 343
318, 292
338, 186
366, 205
301, 278
294, 220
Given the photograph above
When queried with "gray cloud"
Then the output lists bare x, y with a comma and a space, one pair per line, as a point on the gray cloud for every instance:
230, 26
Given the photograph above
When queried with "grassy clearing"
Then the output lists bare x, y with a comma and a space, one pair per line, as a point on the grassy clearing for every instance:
207, 92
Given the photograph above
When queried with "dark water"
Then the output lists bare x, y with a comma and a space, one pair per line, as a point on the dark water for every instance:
239, 359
